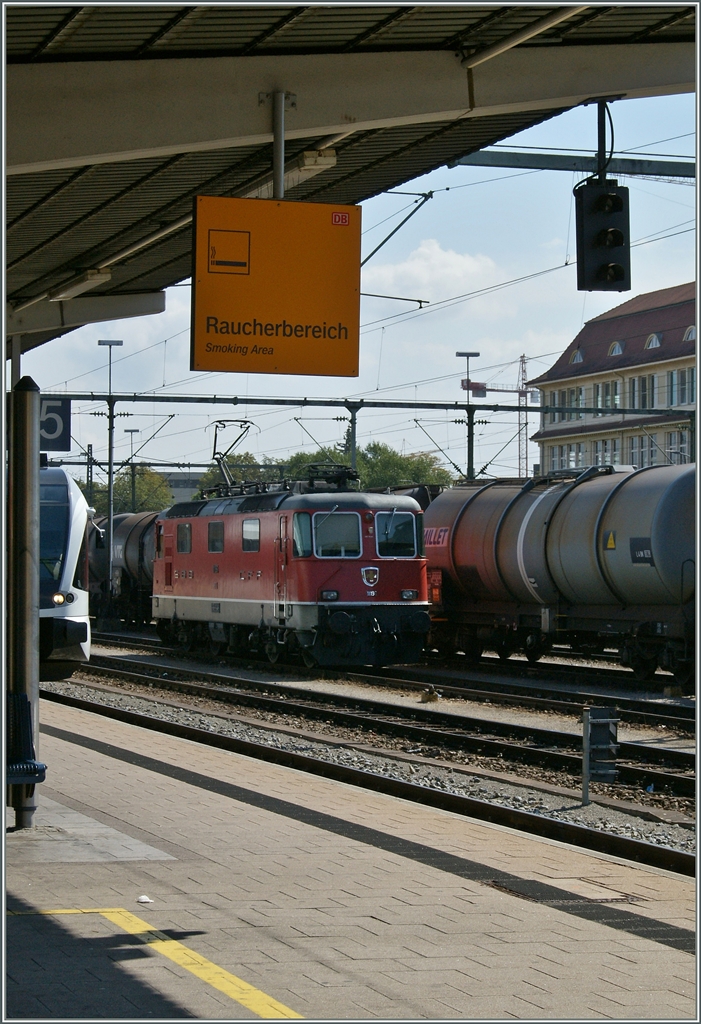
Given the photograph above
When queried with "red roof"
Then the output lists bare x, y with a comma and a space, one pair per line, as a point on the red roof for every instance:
667, 313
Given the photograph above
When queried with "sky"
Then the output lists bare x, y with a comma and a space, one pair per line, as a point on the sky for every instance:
483, 227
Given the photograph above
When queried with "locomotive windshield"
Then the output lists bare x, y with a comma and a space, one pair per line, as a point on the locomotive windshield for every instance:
396, 536
337, 535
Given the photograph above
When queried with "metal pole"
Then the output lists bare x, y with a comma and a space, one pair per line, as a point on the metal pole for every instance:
131, 431
585, 756
278, 145
88, 474
353, 437
110, 487
23, 617
601, 154
471, 442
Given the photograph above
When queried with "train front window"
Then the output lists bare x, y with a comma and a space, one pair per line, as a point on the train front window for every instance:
396, 535
302, 535
337, 535
53, 537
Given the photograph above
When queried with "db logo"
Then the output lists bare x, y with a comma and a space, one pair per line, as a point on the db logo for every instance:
340, 218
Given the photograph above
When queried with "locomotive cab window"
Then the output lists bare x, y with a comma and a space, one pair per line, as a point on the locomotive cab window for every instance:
184, 538
250, 536
215, 537
396, 536
302, 535
337, 535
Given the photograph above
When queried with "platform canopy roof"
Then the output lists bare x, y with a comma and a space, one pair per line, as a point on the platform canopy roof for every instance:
117, 116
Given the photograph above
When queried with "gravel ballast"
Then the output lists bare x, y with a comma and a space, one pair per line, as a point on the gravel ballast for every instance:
561, 805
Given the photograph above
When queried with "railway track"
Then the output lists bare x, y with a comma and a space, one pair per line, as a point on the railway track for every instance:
536, 824
533, 694
667, 770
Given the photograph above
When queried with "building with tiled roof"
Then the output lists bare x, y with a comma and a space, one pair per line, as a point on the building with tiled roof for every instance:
640, 355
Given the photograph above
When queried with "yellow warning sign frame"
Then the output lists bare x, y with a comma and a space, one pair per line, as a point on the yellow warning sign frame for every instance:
275, 287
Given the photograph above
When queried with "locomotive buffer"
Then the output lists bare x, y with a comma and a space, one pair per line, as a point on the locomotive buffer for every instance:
599, 747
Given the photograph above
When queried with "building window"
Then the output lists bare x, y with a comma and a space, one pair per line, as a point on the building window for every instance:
632, 392
677, 447
671, 387
553, 401
686, 386
562, 415
689, 335
644, 451
647, 391
577, 356
617, 348
653, 341
554, 458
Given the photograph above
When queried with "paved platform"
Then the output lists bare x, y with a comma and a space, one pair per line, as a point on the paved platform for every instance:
278, 894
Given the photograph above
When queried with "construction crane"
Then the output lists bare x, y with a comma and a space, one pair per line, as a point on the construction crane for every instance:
479, 390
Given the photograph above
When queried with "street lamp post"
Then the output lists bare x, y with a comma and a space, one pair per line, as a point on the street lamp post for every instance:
110, 343
131, 431
470, 410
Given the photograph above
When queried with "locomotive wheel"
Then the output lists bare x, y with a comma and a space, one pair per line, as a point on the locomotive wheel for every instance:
216, 647
272, 651
309, 659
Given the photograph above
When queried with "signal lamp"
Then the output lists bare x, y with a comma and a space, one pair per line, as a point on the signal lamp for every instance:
602, 226
70, 598
329, 595
409, 595
58, 599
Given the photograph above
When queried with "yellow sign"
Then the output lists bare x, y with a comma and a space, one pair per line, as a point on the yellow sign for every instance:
275, 287
610, 540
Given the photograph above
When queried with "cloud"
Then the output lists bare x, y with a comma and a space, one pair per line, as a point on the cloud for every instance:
432, 272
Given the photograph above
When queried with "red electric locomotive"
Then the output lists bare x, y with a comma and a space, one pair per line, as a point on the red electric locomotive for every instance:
336, 575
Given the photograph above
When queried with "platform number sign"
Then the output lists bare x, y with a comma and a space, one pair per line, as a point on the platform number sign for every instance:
55, 425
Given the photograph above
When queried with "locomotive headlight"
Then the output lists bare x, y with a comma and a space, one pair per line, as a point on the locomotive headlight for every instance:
70, 598
329, 595
58, 599
410, 595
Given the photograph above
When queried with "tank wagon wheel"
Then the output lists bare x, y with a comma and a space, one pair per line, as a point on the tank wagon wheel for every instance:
216, 648
644, 668
536, 647
504, 650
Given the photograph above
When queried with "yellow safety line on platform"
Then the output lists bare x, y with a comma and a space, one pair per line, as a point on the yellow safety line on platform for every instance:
240, 991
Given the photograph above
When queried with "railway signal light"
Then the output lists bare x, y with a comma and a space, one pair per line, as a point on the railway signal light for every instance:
603, 236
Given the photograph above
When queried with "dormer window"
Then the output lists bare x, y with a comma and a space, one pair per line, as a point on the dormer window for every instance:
690, 334
577, 356
617, 348
653, 341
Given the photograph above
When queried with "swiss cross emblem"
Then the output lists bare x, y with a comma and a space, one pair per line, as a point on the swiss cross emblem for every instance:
370, 576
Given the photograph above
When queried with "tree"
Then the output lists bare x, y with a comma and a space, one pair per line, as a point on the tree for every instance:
152, 492
378, 465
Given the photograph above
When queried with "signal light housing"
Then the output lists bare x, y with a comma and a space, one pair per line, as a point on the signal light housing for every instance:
603, 236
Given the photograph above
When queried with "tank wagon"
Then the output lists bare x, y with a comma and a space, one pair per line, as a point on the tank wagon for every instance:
314, 568
600, 560
64, 623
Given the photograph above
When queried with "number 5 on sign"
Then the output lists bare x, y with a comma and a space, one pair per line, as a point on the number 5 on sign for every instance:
55, 425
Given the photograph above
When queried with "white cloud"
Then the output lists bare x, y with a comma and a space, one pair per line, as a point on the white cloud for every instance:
433, 273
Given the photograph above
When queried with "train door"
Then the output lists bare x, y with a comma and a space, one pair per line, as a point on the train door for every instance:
164, 549
281, 571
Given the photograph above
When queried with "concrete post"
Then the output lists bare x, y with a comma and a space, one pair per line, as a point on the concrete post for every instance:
23, 577
278, 145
